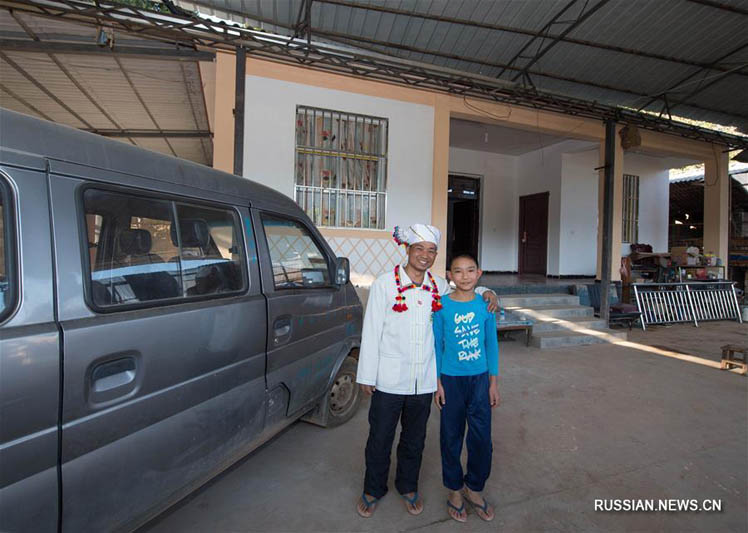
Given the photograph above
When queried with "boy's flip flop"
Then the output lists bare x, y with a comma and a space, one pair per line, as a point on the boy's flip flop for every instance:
478, 507
368, 504
459, 510
410, 504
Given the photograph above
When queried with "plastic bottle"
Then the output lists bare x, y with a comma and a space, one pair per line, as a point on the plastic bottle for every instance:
502, 316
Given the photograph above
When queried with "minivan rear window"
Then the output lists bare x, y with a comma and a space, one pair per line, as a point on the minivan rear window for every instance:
145, 249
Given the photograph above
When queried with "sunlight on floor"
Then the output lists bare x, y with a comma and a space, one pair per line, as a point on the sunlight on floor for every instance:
571, 326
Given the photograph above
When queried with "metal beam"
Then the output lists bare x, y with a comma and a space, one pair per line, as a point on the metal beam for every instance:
142, 102
241, 66
483, 25
721, 5
150, 134
64, 70
22, 45
26, 103
688, 78
43, 89
700, 88
195, 31
608, 206
357, 40
542, 34
555, 40
192, 108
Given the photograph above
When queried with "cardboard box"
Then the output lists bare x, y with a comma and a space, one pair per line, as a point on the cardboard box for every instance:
679, 256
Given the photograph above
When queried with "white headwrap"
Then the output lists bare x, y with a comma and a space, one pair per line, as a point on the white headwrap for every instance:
416, 233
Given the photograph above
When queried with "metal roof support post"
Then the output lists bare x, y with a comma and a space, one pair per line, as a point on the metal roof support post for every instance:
241, 66
607, 240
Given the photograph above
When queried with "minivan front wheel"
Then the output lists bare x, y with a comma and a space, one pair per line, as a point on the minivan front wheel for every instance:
344, 396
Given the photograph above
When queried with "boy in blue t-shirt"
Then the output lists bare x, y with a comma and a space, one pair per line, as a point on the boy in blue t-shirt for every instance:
467, 365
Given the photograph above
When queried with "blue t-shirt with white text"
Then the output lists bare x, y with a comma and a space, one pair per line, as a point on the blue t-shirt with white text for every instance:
465, 338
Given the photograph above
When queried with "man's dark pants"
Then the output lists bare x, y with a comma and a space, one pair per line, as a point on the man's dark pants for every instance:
412, 410
466, 400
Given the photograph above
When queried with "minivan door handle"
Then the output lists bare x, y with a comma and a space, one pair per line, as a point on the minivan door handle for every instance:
282, 329
113, 374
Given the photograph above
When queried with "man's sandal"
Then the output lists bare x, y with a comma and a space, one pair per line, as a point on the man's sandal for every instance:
477, 507
368, 504
459, 510
410, 504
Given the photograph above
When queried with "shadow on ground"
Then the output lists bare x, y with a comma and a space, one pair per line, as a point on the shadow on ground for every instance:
575, 425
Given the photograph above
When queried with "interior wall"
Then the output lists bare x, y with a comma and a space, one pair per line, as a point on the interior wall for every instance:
541, 171
567, 171
270, 118
498, 243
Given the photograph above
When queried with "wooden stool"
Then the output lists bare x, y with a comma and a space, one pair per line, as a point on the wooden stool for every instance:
734, 356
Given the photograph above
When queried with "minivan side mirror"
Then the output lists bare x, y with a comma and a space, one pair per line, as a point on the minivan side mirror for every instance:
342, 271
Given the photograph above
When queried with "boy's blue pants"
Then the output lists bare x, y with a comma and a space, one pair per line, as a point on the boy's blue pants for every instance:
466, 400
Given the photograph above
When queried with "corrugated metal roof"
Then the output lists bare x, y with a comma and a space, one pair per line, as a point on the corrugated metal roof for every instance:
627, 53
102, 91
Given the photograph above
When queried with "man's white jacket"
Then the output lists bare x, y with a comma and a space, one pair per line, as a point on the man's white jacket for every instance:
397, 348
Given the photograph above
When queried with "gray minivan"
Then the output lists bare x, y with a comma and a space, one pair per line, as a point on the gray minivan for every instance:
158, 321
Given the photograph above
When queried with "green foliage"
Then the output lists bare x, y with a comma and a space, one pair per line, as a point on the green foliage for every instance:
151, 5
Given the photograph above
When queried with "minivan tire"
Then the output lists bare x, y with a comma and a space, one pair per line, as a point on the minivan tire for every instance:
344, 395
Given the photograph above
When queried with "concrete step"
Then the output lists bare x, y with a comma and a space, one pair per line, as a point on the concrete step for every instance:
555, 311
531, 288
561, 339
534, 300
568, 324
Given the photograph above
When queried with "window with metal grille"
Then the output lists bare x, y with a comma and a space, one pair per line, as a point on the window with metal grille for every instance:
630, 208
341, 168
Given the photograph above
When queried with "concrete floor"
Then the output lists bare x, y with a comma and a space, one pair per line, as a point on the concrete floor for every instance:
600, 421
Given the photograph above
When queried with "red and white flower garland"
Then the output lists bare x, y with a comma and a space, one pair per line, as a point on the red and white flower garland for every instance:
401, 307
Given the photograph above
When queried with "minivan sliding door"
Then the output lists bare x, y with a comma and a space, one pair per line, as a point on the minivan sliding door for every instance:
164, 344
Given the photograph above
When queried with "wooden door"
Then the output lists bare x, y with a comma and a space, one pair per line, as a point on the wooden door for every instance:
533, 233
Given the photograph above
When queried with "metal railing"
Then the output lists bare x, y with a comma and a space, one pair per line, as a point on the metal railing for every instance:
669, 303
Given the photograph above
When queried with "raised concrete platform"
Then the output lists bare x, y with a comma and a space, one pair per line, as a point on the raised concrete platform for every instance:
534, 300
559, 339
559, 320
563, 324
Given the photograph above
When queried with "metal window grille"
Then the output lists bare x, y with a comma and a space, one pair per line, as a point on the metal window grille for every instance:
341, 168
630, 208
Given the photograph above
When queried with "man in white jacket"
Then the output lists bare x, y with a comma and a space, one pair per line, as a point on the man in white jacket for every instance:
397, 365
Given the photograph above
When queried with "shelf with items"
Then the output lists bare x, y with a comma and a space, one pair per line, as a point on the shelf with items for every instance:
700, 272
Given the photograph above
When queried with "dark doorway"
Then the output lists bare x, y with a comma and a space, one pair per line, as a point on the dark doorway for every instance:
533, 233
463, 216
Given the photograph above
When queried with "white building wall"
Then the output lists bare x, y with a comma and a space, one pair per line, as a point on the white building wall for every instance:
578, 228
269, 141
654, 199
567, 171
498, 243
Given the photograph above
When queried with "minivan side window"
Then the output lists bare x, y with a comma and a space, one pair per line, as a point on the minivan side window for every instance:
6, 279
211, 255
134, 248
297, 260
